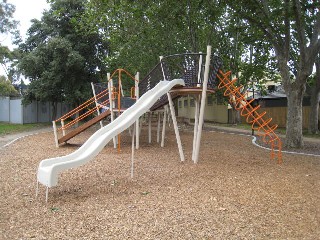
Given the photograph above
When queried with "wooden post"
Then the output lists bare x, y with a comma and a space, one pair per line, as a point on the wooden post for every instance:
55, 133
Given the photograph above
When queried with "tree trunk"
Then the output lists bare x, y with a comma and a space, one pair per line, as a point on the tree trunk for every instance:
294, 137
314, 103
238, 117
235, 116
314, 112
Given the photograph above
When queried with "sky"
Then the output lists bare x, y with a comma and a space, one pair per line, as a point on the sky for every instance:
25, 11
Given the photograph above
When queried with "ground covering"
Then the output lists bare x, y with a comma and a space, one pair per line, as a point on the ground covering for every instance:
234, 192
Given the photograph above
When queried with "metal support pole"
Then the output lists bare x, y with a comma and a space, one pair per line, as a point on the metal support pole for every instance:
132, 150
203, 103
97, 104
164, 126
164, 76
111, 103
199, 70
158, 127
169, 117
47, 194
63, 130
149, 126
195, 129
175, 125
137, 122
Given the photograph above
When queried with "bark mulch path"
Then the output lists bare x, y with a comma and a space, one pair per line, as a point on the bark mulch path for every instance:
234, 192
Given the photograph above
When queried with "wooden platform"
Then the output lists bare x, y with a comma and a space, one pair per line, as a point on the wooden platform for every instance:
177, 92
189, 91
83, 127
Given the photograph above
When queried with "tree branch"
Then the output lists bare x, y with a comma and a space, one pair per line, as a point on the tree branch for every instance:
280, 45
314, 48
301, 33
316, 30
287, 29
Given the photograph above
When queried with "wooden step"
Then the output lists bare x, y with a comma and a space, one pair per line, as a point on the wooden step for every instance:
83, 127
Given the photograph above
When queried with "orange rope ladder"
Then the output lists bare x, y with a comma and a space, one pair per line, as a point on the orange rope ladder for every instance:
251, 113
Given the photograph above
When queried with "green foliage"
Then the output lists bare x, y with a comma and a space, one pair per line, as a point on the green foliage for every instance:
7, 24
6, 88
59, 58
287, 25
141, 31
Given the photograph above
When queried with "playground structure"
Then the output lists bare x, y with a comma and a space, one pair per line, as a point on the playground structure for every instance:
193, 74
198, 70
119, 101
106, 102
50, 169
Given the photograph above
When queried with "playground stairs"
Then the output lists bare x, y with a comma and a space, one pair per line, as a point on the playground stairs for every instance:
83, 127
82, 117
253, 116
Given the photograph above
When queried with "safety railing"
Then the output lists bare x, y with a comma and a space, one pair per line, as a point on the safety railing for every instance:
188, 66
86, 109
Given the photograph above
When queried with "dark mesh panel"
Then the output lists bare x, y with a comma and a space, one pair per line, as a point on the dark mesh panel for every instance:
181, 66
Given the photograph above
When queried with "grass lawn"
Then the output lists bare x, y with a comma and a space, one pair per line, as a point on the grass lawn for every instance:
7, 128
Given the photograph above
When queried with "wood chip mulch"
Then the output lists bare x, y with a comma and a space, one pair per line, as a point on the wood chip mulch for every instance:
234, 192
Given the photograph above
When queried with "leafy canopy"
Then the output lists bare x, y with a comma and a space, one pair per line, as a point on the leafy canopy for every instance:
59, 58
6, 88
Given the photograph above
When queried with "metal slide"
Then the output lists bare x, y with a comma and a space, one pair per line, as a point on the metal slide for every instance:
49, 169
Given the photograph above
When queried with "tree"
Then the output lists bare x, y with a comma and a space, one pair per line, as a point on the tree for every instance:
5, 57
141, 31
314, 101
292, 27
7, 25
248, 53
6, 88
59, 58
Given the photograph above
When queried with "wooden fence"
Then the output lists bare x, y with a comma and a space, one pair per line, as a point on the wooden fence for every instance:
279, 115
